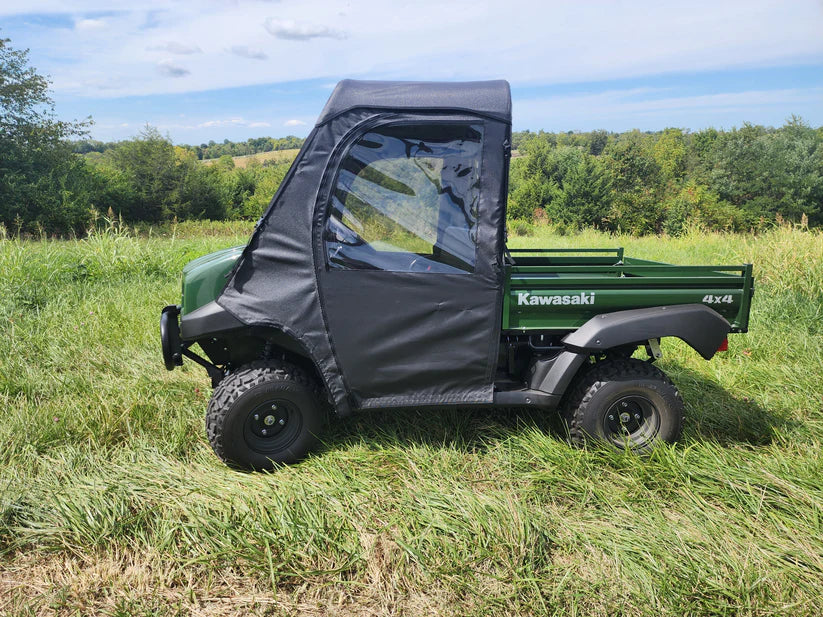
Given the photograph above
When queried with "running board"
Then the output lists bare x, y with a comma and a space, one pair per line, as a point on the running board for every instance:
526, 398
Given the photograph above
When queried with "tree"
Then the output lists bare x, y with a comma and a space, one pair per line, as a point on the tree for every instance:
532, 177
597, 142
697, 205
795, 160
24, 95
766, 172
583, 196
740, 169
572, 186
42, 184
199, 193
225, 162
670, 154
148, 163
637, 181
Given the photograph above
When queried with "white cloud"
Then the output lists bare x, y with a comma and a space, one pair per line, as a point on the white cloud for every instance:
299, 31
248, 52
524, 41
294, 122
234, 121
169, 69
89, 24
226, 122
175, 47
104, 83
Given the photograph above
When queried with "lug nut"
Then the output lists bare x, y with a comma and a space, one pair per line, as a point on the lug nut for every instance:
264, 431
637, 416
256, 416
274, 406
282, 422
611, 417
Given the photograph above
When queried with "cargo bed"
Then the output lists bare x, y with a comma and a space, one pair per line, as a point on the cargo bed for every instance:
555, 290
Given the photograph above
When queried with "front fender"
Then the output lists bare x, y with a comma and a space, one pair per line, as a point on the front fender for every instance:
699, 326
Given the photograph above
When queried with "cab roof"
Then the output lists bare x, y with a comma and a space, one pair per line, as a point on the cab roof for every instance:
488, 98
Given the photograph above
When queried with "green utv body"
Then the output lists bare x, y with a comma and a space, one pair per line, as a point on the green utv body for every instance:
379, 277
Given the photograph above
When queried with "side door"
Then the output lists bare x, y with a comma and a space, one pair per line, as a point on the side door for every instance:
411, 273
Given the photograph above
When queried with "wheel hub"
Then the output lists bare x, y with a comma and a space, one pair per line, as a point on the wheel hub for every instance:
269, 419
630, 418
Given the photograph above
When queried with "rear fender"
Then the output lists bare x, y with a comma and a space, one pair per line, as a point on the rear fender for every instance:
699, 326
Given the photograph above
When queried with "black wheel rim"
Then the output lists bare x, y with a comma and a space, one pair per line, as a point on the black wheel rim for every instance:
272, 426
632, 421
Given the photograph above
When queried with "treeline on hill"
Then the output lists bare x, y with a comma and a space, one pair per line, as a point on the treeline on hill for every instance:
142, 180
148, 179
211, 150
47, 187
741, 179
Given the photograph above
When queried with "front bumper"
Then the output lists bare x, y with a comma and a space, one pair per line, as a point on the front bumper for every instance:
170, 337
174, 349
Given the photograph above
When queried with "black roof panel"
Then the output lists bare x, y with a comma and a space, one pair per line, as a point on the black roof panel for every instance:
491, 98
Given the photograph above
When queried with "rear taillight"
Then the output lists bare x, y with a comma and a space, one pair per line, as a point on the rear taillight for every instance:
724, 346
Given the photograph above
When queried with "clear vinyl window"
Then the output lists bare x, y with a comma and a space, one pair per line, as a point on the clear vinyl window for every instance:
406, 200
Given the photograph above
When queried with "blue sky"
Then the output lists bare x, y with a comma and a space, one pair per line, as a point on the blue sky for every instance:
217, 69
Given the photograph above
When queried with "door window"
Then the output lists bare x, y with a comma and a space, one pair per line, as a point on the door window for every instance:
406, 200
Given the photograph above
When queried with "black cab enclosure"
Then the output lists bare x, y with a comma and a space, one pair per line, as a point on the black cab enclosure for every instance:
381, 254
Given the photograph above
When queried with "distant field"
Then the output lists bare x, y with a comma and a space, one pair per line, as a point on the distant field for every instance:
279, 156
111, 501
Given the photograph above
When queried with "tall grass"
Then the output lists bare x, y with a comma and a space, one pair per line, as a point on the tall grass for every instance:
111, 501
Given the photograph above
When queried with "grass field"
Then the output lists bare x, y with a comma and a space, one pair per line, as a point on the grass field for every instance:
278, 156
111, 501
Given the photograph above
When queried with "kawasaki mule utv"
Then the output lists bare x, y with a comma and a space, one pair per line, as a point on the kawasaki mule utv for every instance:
379, 277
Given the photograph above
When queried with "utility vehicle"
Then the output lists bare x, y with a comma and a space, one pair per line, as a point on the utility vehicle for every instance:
379, 277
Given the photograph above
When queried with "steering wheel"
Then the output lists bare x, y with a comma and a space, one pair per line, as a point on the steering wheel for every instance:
336, 231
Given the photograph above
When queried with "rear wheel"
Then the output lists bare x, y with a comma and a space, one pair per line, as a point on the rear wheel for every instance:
264, 414
625, 402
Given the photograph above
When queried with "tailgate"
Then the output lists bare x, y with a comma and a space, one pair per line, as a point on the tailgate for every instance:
551, 289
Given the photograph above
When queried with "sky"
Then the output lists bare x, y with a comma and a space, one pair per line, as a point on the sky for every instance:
233, 69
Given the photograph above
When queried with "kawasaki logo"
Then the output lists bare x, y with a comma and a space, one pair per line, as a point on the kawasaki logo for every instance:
525, 297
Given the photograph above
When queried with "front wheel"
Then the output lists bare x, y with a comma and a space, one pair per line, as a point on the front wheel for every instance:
626, 403
264, 414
